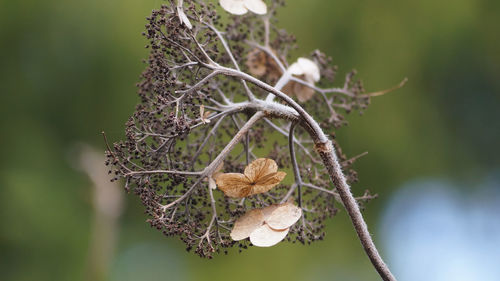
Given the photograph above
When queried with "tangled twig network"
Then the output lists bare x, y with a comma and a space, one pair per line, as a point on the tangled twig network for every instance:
224, 117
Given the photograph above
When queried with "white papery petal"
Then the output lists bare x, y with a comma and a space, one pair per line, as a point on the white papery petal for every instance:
264, 236
309, 68
284, 216
256, 6
247, 224
235, 7
296, 69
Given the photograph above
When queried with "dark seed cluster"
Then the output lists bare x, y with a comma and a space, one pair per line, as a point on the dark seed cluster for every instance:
183, 122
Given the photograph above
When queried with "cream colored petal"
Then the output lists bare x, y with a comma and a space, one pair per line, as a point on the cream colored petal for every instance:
302, 92
256, 6
309, 69
234, 185
264, 236
267, 211
211, 183
256, 62
284, 216
266, 183
235, 7
259, 168
296, 69
247, 224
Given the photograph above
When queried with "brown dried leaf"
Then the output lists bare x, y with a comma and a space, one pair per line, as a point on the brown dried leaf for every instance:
284, 216
264, 236
246, 224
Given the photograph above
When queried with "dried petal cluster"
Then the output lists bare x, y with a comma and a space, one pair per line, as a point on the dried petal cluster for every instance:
259, 177
266, 226
307, 70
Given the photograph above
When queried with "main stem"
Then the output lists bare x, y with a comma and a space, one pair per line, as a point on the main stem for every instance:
327, 152
337, 176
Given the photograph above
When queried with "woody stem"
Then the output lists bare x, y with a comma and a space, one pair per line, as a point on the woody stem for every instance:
327, 152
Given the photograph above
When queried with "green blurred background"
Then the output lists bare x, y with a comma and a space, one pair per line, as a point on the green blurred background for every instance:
68, 71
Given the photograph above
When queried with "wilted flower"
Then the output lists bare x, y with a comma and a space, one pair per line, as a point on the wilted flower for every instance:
241, 7
260, 176
267, 226
306, 70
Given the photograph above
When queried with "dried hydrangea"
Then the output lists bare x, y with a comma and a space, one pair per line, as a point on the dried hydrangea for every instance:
202, 120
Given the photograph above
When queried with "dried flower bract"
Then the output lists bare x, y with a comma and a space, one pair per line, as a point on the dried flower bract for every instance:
259, 177
267, 226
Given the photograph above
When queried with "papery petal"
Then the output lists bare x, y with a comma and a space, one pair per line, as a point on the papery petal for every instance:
267, 211
309, 68
234, 185
256, 62
303, 92
247, 224
264, 236
284, 216
260, 168
235, 7
296, 69
211, 183
267, 182
256, 6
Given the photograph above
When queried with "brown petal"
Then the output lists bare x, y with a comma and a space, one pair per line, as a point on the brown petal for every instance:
303, 92
256, 62
260, 168
267, 182
261, 64
284, 216
233, 184
246, 224
264, 236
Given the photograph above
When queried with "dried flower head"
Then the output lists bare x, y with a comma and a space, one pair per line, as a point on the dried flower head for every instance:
260, 176
199, 110
241, 7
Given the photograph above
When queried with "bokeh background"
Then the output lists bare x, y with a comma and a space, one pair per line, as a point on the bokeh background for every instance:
68, 71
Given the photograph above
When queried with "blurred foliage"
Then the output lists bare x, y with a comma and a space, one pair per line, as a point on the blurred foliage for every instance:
68, 70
